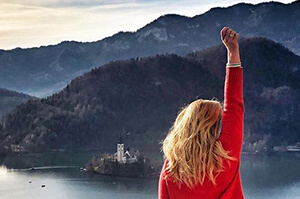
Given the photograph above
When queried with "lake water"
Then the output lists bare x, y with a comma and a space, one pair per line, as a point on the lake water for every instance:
263, 177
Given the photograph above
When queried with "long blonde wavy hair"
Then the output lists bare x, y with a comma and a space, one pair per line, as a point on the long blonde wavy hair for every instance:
191, 146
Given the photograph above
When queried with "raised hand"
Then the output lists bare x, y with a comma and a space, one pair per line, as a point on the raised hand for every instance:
230, 39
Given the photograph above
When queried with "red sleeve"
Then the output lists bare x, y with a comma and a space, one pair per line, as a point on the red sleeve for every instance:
162, 185
231, 135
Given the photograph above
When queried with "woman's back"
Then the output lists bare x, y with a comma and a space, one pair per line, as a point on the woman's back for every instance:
228, 186
231, 138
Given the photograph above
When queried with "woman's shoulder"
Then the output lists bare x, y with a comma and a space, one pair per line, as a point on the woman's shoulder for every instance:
165, 165
165, 170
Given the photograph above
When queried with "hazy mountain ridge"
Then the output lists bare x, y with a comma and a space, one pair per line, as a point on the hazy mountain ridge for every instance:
10, 99
41, 71
141, 97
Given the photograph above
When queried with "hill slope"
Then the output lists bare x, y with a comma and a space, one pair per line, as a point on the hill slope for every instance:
139, 98
10, 99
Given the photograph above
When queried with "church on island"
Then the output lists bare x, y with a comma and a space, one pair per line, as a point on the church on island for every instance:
127, 163
123, 156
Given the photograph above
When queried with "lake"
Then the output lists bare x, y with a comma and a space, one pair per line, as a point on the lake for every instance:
263, 177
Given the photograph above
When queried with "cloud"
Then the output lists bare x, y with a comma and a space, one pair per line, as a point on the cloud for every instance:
65, 3
30, 23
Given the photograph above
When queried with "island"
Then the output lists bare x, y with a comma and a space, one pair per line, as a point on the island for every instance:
123, 163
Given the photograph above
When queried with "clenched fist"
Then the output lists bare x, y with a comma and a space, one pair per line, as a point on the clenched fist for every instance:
230, 39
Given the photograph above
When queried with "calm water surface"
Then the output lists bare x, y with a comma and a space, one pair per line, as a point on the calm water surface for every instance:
263, 177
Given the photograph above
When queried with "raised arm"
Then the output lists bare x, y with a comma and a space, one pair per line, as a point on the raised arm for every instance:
231, 135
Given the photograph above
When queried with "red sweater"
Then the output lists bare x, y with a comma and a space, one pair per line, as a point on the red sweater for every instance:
231, 137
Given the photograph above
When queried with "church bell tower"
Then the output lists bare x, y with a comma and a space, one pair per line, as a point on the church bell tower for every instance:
120, 150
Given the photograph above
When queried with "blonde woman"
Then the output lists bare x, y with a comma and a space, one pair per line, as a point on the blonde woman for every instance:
202, 157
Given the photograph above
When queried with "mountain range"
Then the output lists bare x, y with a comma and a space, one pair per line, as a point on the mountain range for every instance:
139, 98
44, 70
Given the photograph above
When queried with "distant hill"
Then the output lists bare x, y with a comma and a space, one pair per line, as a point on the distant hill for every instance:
10, 99
139, 98
45, 70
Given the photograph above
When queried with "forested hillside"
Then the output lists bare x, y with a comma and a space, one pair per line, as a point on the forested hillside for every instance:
10, 99
139, 98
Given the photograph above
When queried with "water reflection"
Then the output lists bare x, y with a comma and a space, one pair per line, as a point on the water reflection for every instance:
71, 183
3, 170
276, 176
264, 177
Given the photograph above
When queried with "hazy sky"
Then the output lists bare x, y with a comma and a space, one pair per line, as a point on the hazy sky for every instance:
31, 23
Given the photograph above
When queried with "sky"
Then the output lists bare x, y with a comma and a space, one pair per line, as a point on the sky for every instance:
32, 23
